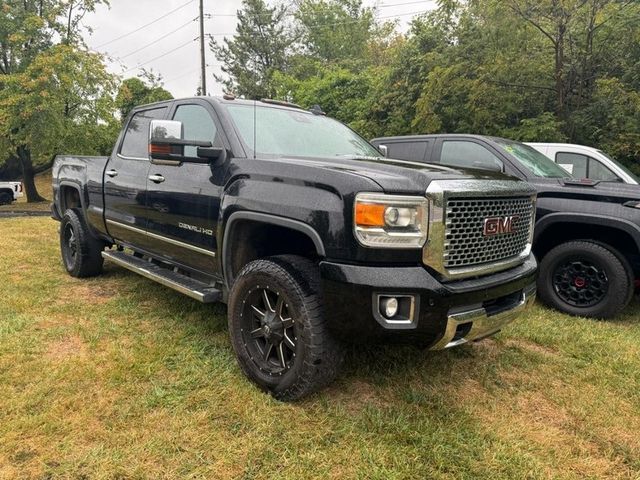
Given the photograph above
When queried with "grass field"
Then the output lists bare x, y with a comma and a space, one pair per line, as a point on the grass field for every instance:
117, 377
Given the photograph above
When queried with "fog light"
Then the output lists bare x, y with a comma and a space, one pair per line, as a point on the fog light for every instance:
389, 306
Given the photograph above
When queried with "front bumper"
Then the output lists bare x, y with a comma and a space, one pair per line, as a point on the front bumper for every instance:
446, 314
474, 325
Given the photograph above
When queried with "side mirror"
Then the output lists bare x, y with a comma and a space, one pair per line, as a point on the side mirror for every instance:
166, 142
384, 150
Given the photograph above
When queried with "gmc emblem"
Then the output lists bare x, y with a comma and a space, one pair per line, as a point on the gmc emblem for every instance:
499, 225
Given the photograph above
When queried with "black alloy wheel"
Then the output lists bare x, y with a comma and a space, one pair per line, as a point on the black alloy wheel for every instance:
69, 246
268, 330
278, 328
581, 283
585, 278
81, 251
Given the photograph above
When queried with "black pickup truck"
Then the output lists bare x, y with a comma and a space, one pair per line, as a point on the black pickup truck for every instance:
300, 226
587, 235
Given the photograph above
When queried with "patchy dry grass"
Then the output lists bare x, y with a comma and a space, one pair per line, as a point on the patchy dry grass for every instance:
117, 377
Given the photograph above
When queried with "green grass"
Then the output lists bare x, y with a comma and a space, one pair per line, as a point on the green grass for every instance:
117, 377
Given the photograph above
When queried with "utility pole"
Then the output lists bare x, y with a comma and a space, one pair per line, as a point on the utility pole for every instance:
203, 59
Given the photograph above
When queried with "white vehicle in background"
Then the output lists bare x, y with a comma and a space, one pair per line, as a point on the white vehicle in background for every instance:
10, 192
586, 162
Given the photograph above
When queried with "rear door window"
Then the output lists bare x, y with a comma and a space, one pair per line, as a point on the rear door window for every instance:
582, 166
465, 154
136, 139
573, 163
415, 151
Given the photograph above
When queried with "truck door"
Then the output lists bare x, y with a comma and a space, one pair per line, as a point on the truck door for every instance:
125, 181
183, 199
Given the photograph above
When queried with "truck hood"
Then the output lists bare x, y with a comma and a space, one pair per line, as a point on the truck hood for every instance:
396, 176
610, 192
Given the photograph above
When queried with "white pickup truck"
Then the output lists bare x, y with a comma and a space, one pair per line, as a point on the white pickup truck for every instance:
10, 192
586, 162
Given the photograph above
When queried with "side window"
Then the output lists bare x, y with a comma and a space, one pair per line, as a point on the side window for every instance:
597, 171
573, 163
136, 138
198, 125
414, 151
461, 153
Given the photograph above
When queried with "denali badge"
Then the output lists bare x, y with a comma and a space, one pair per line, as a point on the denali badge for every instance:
499, 225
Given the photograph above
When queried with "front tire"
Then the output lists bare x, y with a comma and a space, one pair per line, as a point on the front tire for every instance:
586, 279
81, 252
278, 330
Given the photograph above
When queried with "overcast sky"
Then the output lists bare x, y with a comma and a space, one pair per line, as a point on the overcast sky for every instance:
118, 32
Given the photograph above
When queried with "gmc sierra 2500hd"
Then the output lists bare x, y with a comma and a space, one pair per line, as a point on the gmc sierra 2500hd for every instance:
309, 236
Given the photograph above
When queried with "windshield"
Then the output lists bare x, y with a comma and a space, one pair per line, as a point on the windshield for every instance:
284, 132
621, 166
534, 161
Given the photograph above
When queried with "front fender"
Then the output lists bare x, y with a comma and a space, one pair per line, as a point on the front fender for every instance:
568, 219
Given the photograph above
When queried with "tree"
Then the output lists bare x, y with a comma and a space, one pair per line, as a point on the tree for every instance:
28, 30
134, 92
335, 30
260, 48
61, 101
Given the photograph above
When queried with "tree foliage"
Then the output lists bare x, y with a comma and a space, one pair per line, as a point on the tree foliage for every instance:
135, 91
54, 95
259, 49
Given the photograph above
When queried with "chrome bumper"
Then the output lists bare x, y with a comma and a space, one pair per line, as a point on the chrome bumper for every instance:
472, 325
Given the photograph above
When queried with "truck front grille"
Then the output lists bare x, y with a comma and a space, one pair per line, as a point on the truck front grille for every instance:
468, 244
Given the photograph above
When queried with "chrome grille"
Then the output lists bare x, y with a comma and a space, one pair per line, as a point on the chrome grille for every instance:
465, 242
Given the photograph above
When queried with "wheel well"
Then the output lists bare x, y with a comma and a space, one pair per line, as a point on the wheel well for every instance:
7, 190
70, 198
565, 232
250, 240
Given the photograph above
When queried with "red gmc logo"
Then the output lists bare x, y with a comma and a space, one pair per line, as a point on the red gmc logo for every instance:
500, 225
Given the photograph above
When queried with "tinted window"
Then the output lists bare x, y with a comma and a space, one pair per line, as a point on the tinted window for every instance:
573, 163
136, 138
197, 124
415, 151
280, 131
597, 171
535, 162
460, 153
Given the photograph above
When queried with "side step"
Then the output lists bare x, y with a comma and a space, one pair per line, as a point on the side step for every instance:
183, 284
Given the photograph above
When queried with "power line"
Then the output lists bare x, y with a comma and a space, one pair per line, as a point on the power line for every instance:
382, 5
145, 25
157, 40
160, 56
349, 22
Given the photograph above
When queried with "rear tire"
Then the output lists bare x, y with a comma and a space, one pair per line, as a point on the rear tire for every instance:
586, 279
278, 330
81, 252
6, 198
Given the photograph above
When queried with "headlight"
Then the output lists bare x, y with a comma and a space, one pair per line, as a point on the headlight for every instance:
390, 221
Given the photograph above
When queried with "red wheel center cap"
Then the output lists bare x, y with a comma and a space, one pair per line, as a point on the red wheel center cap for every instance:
579, 282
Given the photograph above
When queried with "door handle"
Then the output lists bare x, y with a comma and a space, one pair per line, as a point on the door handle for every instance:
111, 173
156, 178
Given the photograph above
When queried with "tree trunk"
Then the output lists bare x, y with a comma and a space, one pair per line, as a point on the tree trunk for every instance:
28, 175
